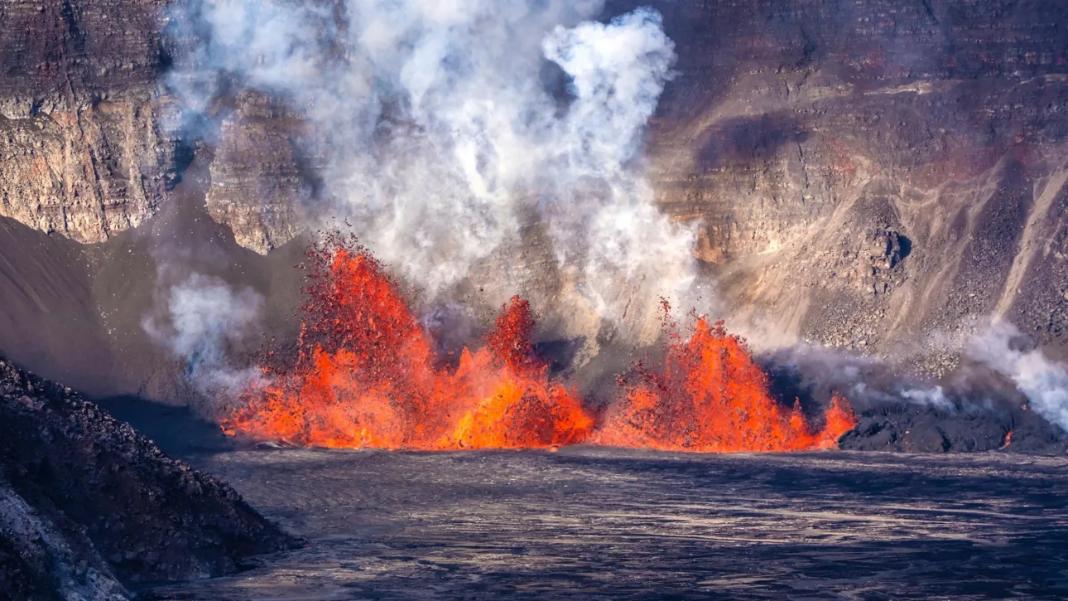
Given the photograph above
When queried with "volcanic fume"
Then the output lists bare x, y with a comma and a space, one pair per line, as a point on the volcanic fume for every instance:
366, 376
461, 169
460, 165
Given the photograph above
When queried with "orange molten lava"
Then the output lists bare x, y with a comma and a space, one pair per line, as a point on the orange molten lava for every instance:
366, 376
710, 396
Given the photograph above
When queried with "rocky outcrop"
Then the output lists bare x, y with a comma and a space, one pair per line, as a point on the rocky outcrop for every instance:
915, 428
39, 561
88, 142
86, 502
86, 172
82, 145
258, 183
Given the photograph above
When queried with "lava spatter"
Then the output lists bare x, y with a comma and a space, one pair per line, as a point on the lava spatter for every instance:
366, 375
710, 396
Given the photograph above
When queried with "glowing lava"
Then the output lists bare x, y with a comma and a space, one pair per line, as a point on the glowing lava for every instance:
365, 375
710, 396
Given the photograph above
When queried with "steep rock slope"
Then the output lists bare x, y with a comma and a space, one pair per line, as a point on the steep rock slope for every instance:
869, 172
77, 312
86, 502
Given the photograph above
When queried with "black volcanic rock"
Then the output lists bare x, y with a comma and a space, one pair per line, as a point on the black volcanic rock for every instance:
85, 501
915, 428
23, 574
45, 556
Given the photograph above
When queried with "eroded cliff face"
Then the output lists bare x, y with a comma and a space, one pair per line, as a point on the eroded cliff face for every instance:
87, 172
82, 148
872, 174
260, 182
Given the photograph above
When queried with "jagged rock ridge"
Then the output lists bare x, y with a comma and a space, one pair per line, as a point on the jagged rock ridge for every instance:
87, 504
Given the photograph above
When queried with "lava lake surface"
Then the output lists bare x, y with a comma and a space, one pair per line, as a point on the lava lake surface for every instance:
588, 522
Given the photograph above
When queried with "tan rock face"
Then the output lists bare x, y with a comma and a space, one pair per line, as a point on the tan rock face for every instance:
258, 184
85, 173
864, 173
81, 152
868, 174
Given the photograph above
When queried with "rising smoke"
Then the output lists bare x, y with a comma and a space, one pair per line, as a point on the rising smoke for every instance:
204, 318
995, 354
866, 381
442, 129
1044, 382
446, 127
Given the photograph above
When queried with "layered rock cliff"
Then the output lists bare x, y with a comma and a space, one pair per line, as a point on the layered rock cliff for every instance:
259, 178
83, 148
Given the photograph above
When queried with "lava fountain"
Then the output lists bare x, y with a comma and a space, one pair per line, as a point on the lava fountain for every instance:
365, 375
710, 396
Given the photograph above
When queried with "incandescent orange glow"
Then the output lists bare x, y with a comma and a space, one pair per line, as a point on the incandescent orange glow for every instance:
365, 375
710, 396
1007, 441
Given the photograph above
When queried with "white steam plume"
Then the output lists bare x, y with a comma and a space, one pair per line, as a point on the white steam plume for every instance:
205, 318
448, 125
866, 381
935, 396
1044, 382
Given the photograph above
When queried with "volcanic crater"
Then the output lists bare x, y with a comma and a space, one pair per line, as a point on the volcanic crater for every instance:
607, 299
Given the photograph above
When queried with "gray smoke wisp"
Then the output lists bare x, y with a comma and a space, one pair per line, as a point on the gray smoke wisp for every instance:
1043, 381
996, 347
444, 127
204, 318
866, 381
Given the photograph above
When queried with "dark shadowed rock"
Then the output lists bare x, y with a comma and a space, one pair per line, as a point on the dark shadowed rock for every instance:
918, 428
85, 495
